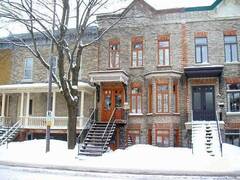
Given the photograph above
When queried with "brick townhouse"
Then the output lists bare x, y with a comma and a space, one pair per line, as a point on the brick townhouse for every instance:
173, 67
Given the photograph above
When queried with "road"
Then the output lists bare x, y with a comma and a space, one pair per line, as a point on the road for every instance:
20, 173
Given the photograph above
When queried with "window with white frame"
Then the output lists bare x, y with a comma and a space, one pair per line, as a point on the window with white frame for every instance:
136, 99
231, 50
114, 50
54, 64
28, 68
162, 137
233, 97
163, 53
137, 52
201, 49
133, 136
162, 98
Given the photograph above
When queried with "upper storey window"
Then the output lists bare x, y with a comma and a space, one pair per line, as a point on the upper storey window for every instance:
201, 50
54, 64
28, 67
137, 52
163, 51
230, 47
114, 50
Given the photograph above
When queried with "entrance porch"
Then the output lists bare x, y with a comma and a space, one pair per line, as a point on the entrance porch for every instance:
27, 103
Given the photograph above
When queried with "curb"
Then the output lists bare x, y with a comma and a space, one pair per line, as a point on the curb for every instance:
117, 171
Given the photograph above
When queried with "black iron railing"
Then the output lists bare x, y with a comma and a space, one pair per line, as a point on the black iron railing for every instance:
88, 125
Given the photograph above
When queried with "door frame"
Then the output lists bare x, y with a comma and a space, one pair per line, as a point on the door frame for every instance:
214, 102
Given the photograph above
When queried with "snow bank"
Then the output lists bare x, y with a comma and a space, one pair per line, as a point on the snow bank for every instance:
137, 157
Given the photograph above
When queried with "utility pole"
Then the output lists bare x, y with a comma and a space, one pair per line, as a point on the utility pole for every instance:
49, 97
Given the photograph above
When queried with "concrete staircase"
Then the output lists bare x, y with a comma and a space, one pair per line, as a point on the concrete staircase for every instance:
8, 134
205, 138
97, 139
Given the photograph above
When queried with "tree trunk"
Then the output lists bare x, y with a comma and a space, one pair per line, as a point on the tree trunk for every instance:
72, 122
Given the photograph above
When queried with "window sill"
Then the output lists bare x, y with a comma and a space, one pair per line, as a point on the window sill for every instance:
114, 68
233, 113
27, 81
200, 64
231, 63
167, 114
135, 114
137, 67
164, 66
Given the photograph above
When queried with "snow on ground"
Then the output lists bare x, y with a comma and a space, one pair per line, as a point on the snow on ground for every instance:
137, 157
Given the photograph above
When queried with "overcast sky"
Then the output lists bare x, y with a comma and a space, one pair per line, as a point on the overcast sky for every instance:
166, 4
118, 4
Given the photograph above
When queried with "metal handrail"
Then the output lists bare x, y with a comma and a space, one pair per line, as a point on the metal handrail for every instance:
110, 119
8, 133
219, 134
105, 143
89, 121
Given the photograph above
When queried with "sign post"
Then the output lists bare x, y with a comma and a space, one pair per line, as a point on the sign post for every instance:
49, 97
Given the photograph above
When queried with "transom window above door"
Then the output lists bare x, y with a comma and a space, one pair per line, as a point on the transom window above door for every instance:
114, 51
137, 52
201, 50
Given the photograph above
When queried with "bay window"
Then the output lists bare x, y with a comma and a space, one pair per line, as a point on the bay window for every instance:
166, 96
162, 98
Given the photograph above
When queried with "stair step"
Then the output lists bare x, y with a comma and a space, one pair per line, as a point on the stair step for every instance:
96, 136
95, 140
103, 125
95, 143
90, 154
98, 133
92, 147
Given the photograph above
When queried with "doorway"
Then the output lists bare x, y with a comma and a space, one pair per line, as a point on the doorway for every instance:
203, 103
112, 97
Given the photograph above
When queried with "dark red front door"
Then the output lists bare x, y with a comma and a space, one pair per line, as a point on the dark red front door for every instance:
112, 97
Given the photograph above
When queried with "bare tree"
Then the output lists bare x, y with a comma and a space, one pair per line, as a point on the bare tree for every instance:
37, 16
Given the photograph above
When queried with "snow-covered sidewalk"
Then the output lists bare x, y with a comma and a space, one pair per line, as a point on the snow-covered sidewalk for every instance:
135, 159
